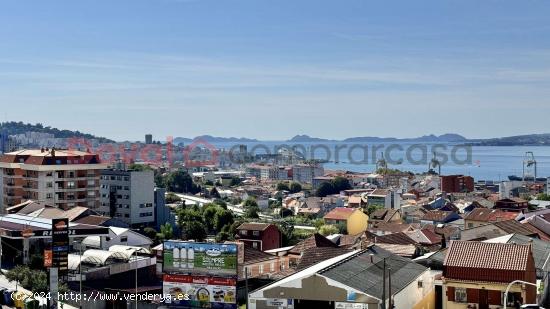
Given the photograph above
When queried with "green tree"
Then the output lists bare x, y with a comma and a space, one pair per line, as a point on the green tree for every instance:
295, 187
139, 167
214, 193
223, 217
282, 186
235, 181
208, 212
166, 231
223, 236
340, 184
373, 208
150, 232
543, 197
287, 233
195, 230
181, 182
250, 202
251, 212
328, 229
172, 198
324, 189
34, 280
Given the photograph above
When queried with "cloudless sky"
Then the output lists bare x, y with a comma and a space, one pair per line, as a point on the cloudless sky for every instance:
272, 69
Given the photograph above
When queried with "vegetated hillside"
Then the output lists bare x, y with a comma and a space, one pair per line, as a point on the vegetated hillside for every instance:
12, 128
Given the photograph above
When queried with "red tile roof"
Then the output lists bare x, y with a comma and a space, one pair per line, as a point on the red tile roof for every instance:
483, 255
490, 215
339, 213
253, 226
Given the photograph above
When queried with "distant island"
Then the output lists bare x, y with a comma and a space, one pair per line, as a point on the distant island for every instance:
445, 138
519, 140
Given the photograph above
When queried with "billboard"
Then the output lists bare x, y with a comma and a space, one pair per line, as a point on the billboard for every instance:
60, 245
219, 260
200, 291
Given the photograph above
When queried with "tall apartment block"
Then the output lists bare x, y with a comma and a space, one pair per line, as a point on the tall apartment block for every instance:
57, 177
128, 195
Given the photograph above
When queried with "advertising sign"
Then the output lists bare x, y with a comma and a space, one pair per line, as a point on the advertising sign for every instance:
60, 245
48, 258
218, 260
200, 291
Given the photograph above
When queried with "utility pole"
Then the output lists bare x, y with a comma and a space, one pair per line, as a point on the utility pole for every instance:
389, 288
246, 284
384, 285
136, 252
80, 271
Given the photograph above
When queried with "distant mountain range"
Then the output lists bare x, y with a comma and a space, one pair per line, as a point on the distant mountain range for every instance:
446, 138
213, 139
13, 127
520, 140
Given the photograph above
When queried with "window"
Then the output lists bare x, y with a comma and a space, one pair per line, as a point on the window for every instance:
272, 267
126, 188
470, 225
420, 283
126, 216
91, 182
244, 232
460, 295
256, 233
49, 195
70, 184
255, 245
126, 178
49, 184
261, 268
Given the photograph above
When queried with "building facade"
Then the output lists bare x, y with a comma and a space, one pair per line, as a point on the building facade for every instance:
128, 195
58, 177
457, 183
305, 173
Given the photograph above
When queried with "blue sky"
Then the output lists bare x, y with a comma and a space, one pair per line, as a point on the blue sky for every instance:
273, 69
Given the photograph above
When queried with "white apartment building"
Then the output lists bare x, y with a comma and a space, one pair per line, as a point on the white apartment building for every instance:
128, 195
305, 173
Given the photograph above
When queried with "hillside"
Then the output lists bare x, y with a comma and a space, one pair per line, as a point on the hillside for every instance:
13, 128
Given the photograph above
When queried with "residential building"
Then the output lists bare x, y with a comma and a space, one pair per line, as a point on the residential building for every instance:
355, 220
117, 236
384, 198
512, 204
478, 273
163, 213
483, 216
260, 236
61, 178
439, 217
457, 183
259, 264
384, 215
304, 173
128, 195
497, 229
335, 283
